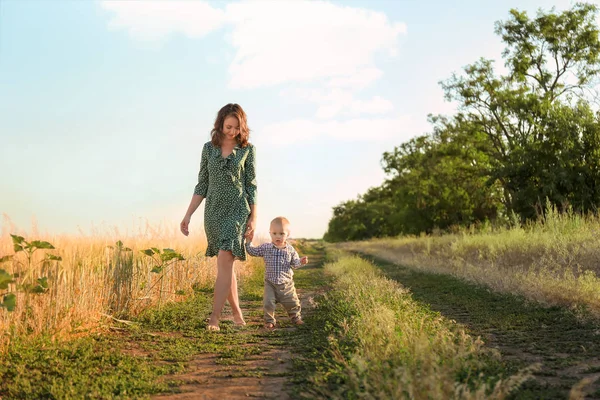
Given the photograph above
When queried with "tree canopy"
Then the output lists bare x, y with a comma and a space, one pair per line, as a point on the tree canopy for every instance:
518, 140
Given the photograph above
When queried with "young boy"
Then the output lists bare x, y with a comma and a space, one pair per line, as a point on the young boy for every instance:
280, 260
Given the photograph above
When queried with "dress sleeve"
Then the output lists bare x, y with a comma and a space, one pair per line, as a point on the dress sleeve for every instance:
255, 251
202, 186
250, 175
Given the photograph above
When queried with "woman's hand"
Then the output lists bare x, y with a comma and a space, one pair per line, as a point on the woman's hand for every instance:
249, 235
184, 225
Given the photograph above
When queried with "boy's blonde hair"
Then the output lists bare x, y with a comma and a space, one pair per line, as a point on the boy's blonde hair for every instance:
283, 221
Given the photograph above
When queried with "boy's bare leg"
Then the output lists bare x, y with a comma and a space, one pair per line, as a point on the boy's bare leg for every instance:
222, 286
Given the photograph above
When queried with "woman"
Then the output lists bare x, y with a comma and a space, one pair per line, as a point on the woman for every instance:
227, 180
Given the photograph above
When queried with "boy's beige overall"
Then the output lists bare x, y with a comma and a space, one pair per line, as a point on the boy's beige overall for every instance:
284, 293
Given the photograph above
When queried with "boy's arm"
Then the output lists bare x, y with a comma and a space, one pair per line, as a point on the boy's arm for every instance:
254, 251
296, 261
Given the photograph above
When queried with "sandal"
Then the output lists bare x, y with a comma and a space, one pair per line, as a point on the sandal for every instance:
297, 321
269, 326
213, 328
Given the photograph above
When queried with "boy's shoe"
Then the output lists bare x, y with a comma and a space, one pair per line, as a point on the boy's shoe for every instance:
297, 321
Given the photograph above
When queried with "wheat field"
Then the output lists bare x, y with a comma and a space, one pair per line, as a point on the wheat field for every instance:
98, 279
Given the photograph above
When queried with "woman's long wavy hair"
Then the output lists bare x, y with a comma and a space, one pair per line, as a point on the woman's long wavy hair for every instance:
217, 131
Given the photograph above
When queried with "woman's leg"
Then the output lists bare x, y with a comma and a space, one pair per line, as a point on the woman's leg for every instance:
222, 285
234, 301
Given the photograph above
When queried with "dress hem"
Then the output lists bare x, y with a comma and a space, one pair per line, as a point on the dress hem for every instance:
236, 256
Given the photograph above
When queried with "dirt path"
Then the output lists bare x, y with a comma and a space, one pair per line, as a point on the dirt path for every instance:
260, 364
566, 346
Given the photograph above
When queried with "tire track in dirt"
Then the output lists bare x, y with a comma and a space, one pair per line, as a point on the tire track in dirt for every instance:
523, 332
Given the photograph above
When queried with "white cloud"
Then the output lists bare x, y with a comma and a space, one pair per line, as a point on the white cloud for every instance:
334, 102
359, 80
302, 41
154, 20
275, 41
328, 48
377, 105
398, 129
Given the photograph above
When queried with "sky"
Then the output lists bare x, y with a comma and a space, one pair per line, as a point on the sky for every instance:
105, 105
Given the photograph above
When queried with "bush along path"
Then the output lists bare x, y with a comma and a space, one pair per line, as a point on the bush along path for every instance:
564, 343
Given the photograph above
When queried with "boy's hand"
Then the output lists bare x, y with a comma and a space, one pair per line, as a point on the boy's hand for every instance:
304, 260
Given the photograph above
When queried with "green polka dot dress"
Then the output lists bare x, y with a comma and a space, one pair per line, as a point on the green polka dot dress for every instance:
229, 186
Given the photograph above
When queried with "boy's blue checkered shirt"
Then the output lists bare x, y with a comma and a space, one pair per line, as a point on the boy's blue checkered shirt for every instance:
278, 262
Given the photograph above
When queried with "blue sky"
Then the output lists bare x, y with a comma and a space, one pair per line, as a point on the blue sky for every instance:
105, 105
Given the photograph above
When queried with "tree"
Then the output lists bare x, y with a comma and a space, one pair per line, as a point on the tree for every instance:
442, 179
552, 62
363, 218
517, 140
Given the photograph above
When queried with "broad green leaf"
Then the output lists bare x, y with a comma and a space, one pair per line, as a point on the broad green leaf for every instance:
17, 239
157, 251
180, 292
41, 244
43, 282
53, 257
5, 259
119, 244
9, 302
25, 287
5, 279
148, 252
38, 289
168, 256
157, 270
17, 247
31, 288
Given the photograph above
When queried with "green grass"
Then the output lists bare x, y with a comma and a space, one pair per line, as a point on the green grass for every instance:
123, 365
554, 260
86, 368
369, 339
128, 364
366, 338
524, 331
